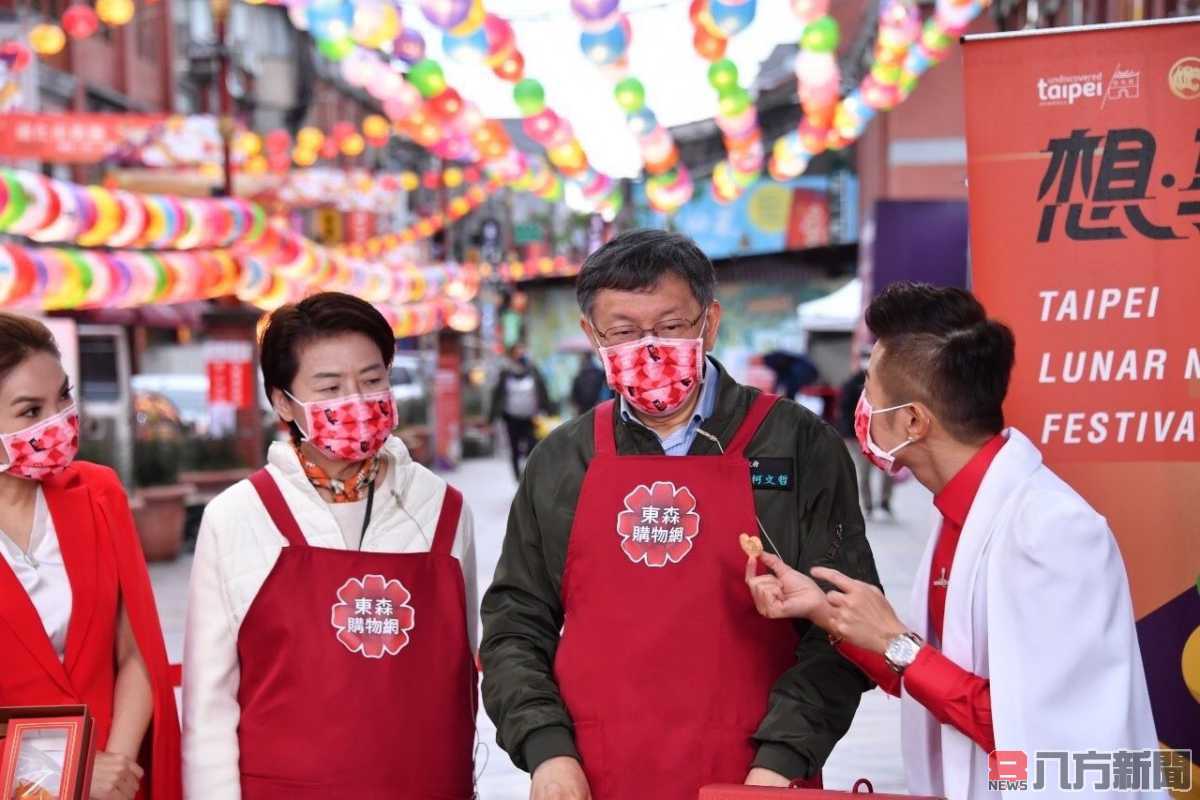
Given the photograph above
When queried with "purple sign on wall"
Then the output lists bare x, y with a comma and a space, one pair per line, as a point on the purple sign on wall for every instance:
920, 240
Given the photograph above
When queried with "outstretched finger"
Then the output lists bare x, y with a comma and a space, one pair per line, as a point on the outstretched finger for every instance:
843, 582
777, 565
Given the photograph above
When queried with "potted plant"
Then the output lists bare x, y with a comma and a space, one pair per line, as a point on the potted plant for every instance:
160, 501
211, 466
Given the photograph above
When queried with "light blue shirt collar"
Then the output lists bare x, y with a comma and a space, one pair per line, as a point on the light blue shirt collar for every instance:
679, 441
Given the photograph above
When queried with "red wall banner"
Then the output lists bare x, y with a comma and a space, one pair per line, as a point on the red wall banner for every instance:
69, 138
1084, 178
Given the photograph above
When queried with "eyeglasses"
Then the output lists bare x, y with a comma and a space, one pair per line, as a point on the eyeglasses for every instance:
676, 328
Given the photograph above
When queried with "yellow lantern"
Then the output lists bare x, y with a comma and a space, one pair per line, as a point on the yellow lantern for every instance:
255, 165
115, 12
47, 40
376, 127
250, 144
304, 157
409, 181
310, 138
452, 177
353, 145
473, 20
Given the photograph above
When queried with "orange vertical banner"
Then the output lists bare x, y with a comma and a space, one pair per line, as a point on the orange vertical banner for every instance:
1083, 151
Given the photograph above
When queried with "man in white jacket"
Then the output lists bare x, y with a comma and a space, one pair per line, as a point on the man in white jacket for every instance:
1021, 637
332, 621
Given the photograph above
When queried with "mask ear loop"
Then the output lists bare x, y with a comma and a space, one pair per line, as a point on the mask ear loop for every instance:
761, 529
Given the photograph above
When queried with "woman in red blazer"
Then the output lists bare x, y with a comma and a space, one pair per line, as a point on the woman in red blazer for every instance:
78, 624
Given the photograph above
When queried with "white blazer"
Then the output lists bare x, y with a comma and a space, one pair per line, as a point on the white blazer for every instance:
1038, 603
237, 549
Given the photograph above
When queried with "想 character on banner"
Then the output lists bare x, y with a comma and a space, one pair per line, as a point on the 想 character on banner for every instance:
1122, 180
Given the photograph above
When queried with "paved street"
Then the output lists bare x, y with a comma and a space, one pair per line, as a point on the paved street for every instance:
871, 749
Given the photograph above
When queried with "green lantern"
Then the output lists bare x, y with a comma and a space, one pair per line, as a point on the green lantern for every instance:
733, 102
17, 201
336, 49
530, 97
630, 94
820, 36
428, 77
723, 75
888, 74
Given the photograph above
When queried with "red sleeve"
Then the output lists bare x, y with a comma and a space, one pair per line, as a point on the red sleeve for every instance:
953, 695
161, 750
873, 665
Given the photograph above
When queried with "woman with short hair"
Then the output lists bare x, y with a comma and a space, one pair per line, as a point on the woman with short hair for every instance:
332, 616
78, 625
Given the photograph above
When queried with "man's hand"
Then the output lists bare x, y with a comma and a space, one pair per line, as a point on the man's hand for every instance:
560, 778
765, 777
859, 613
785, 592
115, 777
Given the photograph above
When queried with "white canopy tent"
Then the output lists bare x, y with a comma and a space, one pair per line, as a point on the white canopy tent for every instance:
836, 312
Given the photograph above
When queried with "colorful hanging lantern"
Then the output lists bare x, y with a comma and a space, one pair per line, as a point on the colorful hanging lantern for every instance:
708, 46
80, 21
376, 129
446, 14
115, 12
630, 94
428, 77
47, 39
353, 145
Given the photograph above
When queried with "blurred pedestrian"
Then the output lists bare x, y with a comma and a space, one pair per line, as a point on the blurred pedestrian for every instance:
519, 396
621, 659
848, 401
589, 386
300, 678
793, 371
82, 627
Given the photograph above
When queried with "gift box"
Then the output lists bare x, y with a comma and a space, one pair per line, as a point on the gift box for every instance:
737, 792
46, 753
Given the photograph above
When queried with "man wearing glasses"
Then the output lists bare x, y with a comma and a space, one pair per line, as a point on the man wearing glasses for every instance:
622, 659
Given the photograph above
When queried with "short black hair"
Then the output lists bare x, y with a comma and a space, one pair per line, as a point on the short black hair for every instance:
637, 260
320, 316
940, 348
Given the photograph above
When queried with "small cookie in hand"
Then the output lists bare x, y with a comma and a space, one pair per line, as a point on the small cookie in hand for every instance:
751, 545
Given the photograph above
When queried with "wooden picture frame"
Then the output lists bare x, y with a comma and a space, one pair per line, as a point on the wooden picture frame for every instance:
35, 739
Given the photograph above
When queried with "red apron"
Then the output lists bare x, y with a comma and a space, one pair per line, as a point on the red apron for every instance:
664, 664
357, 678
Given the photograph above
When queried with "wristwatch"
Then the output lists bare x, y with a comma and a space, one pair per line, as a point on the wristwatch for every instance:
902, 651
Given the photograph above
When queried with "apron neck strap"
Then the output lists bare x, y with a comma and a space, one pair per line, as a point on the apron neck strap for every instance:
447, 524
606, 442
277, 508
759, 409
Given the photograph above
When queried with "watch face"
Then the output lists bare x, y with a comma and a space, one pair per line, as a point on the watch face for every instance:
902, 650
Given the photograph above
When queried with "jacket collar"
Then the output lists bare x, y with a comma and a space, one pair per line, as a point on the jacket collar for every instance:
281, 457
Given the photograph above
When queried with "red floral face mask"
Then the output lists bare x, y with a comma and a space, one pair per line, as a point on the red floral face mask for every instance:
43, 450
349, 428
656, 376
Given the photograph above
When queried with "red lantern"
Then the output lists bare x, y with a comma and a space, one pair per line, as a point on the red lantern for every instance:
709, 47
80, 21
471, 174
447, 105
342, 130
329, 149
431, 180
278, 142
280, 162
511, 69
16, 54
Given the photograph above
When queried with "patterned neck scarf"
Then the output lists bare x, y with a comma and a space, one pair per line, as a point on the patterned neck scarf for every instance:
350, 490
